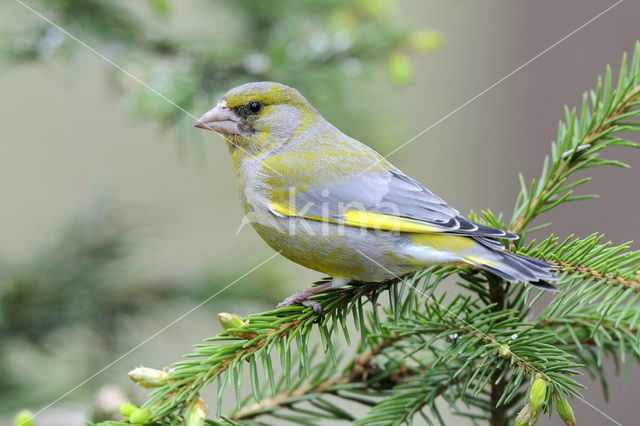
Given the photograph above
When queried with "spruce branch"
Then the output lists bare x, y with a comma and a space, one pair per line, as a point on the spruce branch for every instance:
589, 259
607, 276
498, 388
413, 395
462, 369
485, 348
605, 112
599, 282
222, 358
355, 372
583, 329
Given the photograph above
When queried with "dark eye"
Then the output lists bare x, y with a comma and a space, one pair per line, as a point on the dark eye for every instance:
254, 107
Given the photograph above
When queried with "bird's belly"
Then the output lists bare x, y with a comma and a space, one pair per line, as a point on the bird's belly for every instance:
339, 251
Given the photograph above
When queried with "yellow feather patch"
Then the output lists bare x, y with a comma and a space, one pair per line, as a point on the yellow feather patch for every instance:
479, 261
450, 243
284, 209
386, 222
363, 219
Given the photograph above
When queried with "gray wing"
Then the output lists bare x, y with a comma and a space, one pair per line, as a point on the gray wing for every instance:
425, 206
396, 194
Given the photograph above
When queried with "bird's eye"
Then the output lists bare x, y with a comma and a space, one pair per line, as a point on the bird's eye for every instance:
254, 107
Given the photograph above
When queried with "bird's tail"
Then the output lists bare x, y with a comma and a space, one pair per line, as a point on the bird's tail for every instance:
514, 268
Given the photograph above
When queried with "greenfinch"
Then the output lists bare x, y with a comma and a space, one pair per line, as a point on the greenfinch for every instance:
330, 203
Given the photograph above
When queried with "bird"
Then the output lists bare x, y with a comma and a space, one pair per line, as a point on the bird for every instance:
333, 204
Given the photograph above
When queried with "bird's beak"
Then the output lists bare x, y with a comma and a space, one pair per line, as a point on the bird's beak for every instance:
220, 119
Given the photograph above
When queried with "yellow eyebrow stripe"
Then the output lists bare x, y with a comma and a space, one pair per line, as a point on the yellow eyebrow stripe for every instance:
364, 219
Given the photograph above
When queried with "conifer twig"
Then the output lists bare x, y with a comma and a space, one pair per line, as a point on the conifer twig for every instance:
571, 163
581, 137
611, 278
359, 365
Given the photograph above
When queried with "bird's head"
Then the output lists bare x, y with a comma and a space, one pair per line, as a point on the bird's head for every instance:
258, 116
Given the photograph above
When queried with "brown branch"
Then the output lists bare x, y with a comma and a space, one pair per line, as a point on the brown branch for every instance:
224, 364
613, 279
498, 412
607, 121
361, 367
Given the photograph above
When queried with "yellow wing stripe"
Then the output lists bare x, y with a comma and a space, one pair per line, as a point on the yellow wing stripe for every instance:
474, 260
283, 209
442, 242
386, 222
364, 219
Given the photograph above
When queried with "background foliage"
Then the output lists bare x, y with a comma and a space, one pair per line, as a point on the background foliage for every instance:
311, 45
80, 287
141, 49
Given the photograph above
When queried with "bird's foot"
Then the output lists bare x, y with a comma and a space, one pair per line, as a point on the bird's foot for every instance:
302, 298
369, 296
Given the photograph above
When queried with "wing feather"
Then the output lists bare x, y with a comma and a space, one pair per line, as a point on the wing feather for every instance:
387, 200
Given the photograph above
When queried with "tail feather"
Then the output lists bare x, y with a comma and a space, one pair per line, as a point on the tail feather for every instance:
514, 268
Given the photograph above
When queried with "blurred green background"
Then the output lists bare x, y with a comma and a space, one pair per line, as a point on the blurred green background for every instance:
117, 217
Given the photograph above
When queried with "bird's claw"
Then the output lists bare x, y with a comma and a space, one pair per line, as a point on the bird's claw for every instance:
317, 307
302, 298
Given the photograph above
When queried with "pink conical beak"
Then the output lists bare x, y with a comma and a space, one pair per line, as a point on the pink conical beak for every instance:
220, 119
